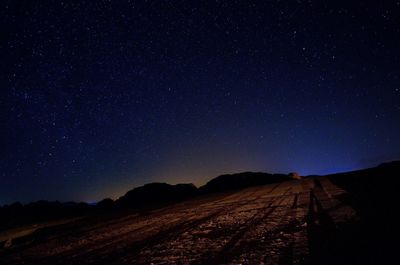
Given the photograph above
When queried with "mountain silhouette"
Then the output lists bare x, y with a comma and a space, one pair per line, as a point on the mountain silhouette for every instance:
343, 218
373, 190
241, 180
156, 193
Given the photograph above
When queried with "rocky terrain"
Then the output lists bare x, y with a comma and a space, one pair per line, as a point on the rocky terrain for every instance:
315, 220
271, 224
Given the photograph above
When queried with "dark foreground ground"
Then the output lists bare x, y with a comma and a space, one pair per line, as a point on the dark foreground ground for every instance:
309, 221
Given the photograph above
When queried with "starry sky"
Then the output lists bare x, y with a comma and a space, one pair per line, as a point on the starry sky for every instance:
98, 97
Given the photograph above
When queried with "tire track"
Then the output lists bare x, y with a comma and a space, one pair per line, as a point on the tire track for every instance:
230, 248
152, 251
280, 238
128, 247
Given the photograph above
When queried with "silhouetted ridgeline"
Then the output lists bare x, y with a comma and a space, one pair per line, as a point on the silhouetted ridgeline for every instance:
160, 193
149, 195
241, 180
156, 193
372, 189
17, 214
373, 193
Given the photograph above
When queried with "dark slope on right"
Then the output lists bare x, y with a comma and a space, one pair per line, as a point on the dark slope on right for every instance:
374, 195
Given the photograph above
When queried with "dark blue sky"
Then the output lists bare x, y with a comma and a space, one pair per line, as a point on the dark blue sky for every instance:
100, 96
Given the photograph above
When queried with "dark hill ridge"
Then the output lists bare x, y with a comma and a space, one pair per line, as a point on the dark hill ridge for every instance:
148, 195
364, 184
373, 193
153, 193
372, 189
241, 180
352, 225
161, 193
156, 193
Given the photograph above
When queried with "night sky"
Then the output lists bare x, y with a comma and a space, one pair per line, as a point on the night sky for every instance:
98, 97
